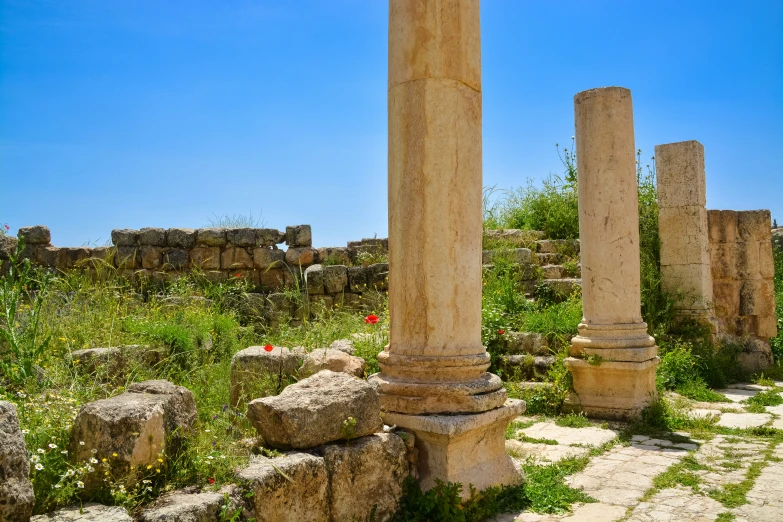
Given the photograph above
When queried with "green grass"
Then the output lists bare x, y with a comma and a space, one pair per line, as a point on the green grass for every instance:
766, 398
574, 420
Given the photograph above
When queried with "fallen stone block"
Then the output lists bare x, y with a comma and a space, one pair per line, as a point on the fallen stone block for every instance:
16, 490
138, 425
366, 477
291, 488
334, 360
35, 235
344, 345
255, 371
326, 407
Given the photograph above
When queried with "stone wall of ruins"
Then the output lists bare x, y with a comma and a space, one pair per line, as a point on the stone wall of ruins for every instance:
742, 272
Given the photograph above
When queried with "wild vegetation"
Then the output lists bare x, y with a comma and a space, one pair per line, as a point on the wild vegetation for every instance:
198, 325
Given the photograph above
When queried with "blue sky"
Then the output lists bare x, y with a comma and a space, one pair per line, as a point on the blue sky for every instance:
145, 113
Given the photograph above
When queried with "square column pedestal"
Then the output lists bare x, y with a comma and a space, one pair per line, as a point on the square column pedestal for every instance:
464, 448
615, 390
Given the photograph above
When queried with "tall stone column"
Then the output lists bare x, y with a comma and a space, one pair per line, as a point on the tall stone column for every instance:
613, 359
435, 362
683, 228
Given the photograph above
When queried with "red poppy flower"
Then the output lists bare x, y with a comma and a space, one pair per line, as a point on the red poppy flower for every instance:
371, 319
211, 480
239, 275
7, 227
269, 347
501, 332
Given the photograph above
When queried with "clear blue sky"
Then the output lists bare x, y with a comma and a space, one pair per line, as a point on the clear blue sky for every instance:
160, 113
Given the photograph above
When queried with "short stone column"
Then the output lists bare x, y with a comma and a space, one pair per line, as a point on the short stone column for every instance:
435, 362
683, 228
613, 359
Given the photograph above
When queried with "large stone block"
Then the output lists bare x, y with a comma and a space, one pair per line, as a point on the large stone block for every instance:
176, 259
723, 226
334, 255
124, 237
7, 246
317, 410
138, 425
292, 488
766, 326
269, 237
331, 359
36, 235
151, 236
236, 258
680, 174
378, 276
723, 260
50, 256
691, 285
314, 279
357, 279
754, 225
684, 235
255, 371
265, 258
206, 258
747, 258
366, 477
766, 260
151, 257
213, 237
299, 236
335, 278
521, 256
757, 298
241, 237
271, 279
128, 257
16, 490
181, 238
300, 256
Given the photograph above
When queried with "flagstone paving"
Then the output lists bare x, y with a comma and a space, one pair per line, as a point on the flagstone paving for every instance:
671, 477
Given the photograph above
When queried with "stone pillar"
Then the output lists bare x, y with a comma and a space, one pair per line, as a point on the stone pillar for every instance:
613, 359
683, 229
435, 362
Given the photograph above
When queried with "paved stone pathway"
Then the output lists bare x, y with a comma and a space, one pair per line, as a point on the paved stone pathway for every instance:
719, 478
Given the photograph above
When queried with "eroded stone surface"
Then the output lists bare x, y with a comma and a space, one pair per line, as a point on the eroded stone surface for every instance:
331, 359
592, 436
183, 506
743, 420
86, 513
678, 504
16, 490
255, 370
317, 410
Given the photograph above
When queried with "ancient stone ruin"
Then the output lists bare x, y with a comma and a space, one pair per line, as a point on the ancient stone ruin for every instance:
717, 263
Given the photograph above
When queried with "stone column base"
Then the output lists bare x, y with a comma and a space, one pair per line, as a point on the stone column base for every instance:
466, 448
612, 389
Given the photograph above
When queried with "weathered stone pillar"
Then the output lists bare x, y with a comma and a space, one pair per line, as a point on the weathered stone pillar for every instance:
683, 229
435, 362
613, 358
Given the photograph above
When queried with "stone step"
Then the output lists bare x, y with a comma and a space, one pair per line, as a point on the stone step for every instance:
553, 271
549, 259
563, 288
522, 256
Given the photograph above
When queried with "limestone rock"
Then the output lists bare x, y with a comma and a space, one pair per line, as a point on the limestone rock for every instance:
124, 237
241, 237
335, 278
344, 345
16, 490
206, 258
265, 258
86, 513
37, 235
314, 411
525, 342
236, 258
214, 237
300, 256
7, 246
357, 279
334, 360
151, 236
184, 506
519, 238
292, 488
254, 370
366, 476
138, 425
339, 255
181, 238
314, 279
299, 236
